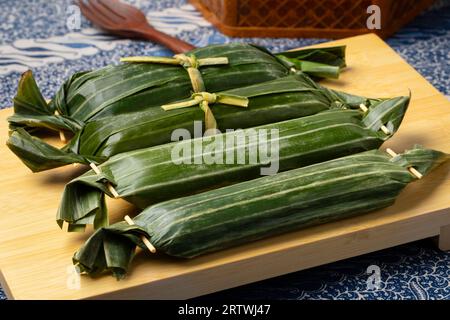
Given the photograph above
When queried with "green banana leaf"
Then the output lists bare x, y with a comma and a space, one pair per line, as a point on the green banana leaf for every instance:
317, 63
194, 225
132, 87
147, 176
272, 101
31, 111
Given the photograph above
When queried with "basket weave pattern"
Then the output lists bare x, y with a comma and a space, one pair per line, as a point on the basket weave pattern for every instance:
302, 14
330, 18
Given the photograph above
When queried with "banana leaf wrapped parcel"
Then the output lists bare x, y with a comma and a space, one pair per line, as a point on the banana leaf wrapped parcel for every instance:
132, 87
277, 100
237, 214
155, 174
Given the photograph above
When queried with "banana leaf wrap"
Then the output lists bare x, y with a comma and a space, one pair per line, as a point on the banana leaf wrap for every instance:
277, 100
129, 87
316, 63
252, 210
151, 175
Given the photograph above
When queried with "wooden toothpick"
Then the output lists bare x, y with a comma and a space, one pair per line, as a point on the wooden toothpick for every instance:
385, 130
108, 185
62, 136
363, 108
413, 170
147, 243
383, 127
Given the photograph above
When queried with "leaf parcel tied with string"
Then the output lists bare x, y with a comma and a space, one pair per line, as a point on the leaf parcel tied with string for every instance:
272, 101
135, 86
155, 174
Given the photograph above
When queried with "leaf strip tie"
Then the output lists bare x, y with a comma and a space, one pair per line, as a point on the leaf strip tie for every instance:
147, 242
108, 185
411, 169
189, 62
203, 99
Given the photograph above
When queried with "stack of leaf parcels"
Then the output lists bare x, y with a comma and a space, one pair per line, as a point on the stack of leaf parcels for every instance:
134, 92
320, 149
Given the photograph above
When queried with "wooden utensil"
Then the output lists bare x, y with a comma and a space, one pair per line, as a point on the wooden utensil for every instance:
127, 21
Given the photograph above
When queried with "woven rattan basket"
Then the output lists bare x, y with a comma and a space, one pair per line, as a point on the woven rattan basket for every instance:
306, 18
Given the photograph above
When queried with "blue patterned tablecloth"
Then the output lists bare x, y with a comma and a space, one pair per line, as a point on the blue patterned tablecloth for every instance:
42, 35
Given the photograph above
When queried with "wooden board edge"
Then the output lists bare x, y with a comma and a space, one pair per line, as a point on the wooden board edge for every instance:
443, 240
5, 287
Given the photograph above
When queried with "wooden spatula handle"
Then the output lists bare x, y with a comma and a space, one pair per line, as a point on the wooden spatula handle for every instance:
172, 43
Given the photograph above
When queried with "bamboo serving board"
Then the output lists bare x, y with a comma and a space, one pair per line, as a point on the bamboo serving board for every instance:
35, 255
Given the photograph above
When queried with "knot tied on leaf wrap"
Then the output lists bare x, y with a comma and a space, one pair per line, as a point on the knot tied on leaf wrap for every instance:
189, 62
203, 99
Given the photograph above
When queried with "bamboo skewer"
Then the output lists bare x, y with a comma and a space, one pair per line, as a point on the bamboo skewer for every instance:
413, 170
108, 185
383, 127
62, 136
363, 107
147, 243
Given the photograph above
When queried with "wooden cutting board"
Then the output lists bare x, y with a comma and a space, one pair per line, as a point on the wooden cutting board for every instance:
35, 255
